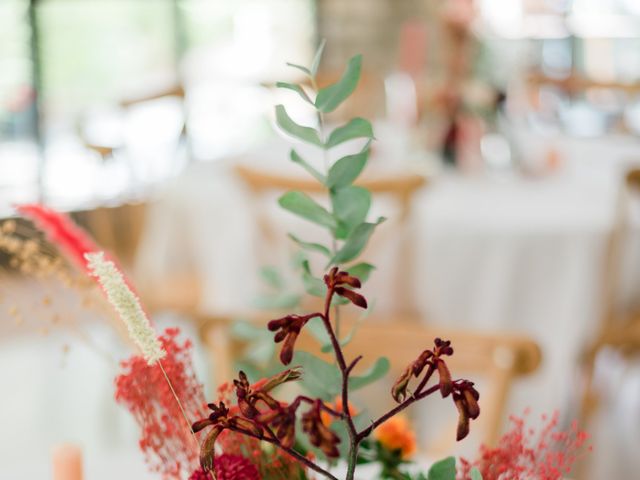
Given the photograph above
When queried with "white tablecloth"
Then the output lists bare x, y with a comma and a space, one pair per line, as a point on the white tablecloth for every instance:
490, 251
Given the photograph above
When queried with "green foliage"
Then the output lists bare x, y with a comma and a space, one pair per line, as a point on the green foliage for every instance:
443, 470
329, 98
346, 170
378, 370
475, 474
321, 379
356, 128
361, 270
296, 88
351, 206
306, 134
355, 243
311, 246
306, 207
295, 158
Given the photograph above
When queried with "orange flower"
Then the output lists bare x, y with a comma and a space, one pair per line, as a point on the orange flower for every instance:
337, 406
396, 434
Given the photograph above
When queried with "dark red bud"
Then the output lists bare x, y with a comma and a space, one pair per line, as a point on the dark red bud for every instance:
352, 296
201, 424
446, 384
463, 418
207, 450
286, 354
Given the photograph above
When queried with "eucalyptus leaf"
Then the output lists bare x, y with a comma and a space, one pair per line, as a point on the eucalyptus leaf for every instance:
312, 285
355, 243
443, 470
378, 370
303, 133
317, 58
475, 474
295, 158
299, 67
278, 301
356, 128
316, 247
296, 88
350, 206
361, 270
346, 170
320, 379
306, 207
244, 330
329, 98
271, 276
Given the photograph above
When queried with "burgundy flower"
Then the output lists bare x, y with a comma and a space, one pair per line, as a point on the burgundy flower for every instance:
465, 397
319, 434
336, 280
229, 467
288, 328
433, 360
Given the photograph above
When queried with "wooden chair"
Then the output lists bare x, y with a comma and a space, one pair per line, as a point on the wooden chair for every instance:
619, 328
499, 358
400, 187
106, 150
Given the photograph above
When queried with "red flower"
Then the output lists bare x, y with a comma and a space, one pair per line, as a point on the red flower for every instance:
229, 467
72, 240
165, 437
521, 454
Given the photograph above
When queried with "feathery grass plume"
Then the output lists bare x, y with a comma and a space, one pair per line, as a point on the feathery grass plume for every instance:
127, 304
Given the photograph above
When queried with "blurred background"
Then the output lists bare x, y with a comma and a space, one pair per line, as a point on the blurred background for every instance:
508, 131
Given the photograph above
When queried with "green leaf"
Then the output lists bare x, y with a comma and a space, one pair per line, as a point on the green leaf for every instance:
475, 474
356, 128
306, 207
296, 88
317, 57
278, 301
244, 330
443, 470
271, 276
378, 370
311, 246
361, 270
295, 158
346, 170
329, 98
320, 379
351, 206
306, 134
312, 285
355, 243
299, 67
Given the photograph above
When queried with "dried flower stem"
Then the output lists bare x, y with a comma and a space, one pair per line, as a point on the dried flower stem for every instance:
184, 413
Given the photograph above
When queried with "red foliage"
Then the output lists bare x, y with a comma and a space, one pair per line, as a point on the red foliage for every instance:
229, 467
166, 437
523, 455
72, 240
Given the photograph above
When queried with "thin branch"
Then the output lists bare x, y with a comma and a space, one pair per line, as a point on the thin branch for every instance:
409, 401
301, 458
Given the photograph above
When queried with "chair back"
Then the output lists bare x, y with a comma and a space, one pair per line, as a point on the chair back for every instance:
499, 358
400, 188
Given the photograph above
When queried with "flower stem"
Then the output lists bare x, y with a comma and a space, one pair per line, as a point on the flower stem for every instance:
184, 413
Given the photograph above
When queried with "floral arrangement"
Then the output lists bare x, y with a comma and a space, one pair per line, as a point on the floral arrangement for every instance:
247, 432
